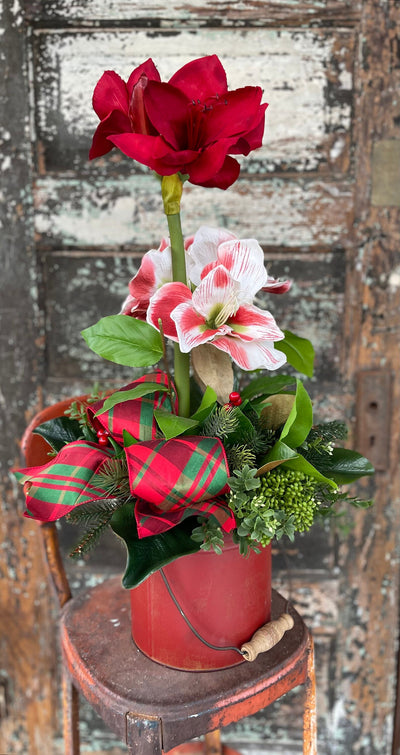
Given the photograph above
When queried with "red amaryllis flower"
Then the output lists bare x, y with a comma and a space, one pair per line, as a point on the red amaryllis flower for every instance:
192, 124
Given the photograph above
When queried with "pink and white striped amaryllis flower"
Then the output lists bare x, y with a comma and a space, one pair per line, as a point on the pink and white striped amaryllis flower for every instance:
202, 253
220, 309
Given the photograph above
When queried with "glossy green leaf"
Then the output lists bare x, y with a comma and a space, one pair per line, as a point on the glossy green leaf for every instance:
171, 425
128, 439
299, 421
57, 432
207, 405
297, 462
299, 352
266, 386
143, 389
345, 466
146, 555
125, 340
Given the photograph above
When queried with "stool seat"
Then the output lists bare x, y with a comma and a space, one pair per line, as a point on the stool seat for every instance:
154, 708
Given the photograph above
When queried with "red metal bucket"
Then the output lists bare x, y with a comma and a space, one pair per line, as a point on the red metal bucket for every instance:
225, 597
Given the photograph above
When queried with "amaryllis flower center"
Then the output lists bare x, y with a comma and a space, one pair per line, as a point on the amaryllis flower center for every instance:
196, 122
220, 313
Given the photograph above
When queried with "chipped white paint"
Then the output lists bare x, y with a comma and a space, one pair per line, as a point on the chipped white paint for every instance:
394, 278
291, 67
291, 213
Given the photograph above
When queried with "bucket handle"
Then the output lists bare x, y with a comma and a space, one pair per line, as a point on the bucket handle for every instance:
265, 638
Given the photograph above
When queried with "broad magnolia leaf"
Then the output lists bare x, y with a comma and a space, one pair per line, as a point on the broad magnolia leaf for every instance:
119, 397
146, 555
125, 340
266, 385
299, 352
277, 410
172, 425
207, 405
60, 431
212, 367
345, 466
280, 451
299, 421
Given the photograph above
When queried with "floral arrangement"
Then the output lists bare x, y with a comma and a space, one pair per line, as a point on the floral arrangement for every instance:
187, 453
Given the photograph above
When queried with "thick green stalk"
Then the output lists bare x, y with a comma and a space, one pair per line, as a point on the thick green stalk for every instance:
181, 361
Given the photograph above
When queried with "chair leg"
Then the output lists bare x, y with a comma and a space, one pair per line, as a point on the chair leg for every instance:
212, 743
70, 699
310, 707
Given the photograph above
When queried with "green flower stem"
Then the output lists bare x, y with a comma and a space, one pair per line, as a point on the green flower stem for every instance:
171, 191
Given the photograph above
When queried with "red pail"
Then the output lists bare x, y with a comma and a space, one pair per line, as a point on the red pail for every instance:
226, 598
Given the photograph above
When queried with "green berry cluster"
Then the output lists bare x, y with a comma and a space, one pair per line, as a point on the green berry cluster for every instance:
292, 492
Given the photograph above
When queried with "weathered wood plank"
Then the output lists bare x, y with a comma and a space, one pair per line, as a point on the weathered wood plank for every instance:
291, 213
197, 12
370, 584
306, 76
27, 646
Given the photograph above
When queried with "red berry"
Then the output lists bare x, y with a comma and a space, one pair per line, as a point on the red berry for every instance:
103, 440
228, 407
234, 398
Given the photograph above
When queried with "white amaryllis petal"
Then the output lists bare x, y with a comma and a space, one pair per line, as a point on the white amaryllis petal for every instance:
244, 260
203, 250
253, 324
161, 304
217, 297
154, 271
252, 355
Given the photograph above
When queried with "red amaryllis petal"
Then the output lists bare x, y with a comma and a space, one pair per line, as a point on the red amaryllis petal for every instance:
114, 123
276, 286
167, 109
208, 163
235, 114
252, 139
163, 302
201, 79
141, 147
148, 68
110, 94
225, 177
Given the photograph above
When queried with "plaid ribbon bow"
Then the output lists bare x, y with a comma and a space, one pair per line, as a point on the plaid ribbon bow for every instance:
170, 479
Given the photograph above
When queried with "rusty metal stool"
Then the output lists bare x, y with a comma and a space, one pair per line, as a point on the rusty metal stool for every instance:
152, 708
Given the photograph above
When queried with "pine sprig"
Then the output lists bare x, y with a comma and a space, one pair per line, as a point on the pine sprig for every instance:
220, 423
113, 477
239, 455
98, 515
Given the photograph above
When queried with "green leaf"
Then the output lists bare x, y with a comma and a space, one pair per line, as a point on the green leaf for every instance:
297, 462
299, 352
344, 465
207, 405
299, 421
172, 425
143, 389
60, 431
267, 386
146, 555
128, 439
125, 340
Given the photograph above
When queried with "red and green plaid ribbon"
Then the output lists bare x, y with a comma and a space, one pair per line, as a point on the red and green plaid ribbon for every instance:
176, 478
136, 415
53, 489
171, 479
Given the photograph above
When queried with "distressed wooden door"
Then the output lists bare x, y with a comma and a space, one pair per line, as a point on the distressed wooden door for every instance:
322, 197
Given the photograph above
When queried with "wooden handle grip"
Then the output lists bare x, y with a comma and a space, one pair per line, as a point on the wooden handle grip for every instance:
266, 637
